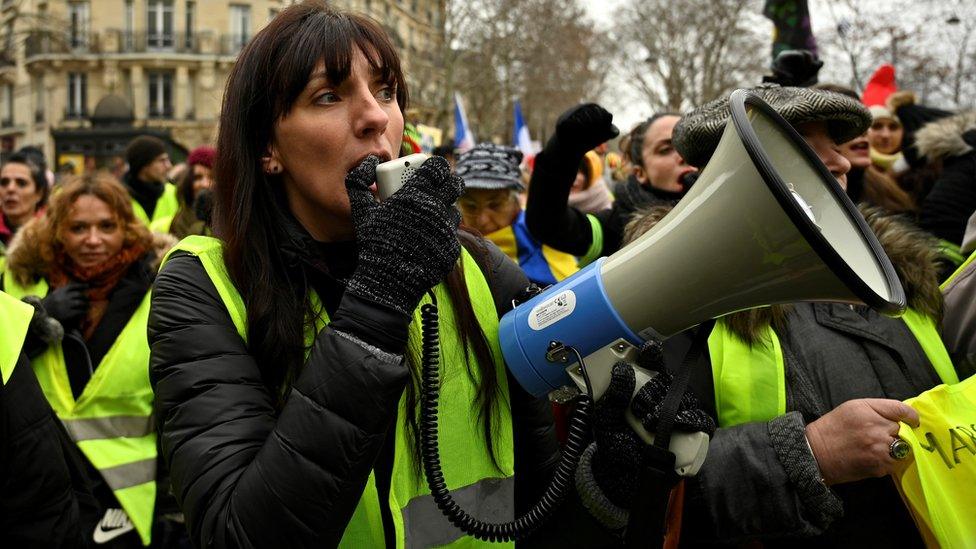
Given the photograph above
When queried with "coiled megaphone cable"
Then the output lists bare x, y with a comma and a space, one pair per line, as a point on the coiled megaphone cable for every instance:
560, 485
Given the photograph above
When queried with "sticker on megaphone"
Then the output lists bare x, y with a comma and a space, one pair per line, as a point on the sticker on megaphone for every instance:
390, 176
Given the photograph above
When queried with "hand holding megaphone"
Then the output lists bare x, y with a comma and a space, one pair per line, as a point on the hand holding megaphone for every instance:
620, 452
407, 243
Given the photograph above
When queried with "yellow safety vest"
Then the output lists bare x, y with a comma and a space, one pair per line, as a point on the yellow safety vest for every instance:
111, 422
750, 380
166, 207
962, 267
16, 317
476, 484
938, 484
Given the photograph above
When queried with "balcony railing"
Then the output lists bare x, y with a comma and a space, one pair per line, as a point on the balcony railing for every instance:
166, 111
75, 114
140, 42
232, 44
119, 41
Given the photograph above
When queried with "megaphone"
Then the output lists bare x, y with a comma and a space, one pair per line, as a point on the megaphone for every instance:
765, 223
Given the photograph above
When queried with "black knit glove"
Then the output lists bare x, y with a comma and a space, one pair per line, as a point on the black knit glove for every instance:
68, 304
579, 130
407, 243
620, 454
42, 331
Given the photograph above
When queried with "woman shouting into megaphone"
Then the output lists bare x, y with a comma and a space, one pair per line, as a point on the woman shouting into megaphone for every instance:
285, 351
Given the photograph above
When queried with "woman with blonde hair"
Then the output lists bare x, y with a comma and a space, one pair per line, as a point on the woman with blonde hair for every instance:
91, 263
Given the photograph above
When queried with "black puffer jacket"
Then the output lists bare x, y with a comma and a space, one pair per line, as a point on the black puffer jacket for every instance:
551, 220
250, 475
47, 499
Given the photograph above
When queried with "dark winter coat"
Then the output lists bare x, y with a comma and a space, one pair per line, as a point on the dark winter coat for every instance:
959, 325
248, 474
46, 496
567, 229
952, 200
760, 480
82, 358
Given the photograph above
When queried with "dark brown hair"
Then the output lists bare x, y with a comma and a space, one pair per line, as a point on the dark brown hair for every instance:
267, 79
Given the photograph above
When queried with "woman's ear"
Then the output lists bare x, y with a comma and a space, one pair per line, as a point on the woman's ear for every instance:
640, 175
270, 162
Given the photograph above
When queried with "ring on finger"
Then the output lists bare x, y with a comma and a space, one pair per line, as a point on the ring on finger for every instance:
899, 449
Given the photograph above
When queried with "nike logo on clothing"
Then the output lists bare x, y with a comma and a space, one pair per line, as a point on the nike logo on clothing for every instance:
113, 524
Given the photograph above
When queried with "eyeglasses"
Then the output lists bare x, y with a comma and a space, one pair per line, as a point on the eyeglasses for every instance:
20, 181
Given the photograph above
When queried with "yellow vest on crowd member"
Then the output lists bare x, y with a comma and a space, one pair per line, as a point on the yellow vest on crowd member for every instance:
750, 380
166, 206
111, 420
16, 317
938, 482
484, 490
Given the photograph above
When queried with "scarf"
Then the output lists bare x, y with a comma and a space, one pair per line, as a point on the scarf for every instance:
592, 200
101, 279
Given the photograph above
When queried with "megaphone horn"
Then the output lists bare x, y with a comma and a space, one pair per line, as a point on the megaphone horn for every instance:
764, 223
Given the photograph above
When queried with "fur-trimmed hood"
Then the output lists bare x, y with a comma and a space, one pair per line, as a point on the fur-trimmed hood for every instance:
26, 264
944, 138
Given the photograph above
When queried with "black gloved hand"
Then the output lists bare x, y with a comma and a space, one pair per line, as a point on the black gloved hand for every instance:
620, 453
68, 304
579, 130
407, 243
42, 331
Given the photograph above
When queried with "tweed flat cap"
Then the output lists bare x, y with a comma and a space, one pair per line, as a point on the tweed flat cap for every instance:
490, 166
697, 133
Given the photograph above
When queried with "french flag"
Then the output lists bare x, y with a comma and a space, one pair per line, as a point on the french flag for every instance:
521, 138
463, 138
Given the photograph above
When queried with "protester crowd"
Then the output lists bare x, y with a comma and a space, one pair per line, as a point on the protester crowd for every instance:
226, 353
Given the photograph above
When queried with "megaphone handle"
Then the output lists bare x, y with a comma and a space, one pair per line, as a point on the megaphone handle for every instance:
647, 515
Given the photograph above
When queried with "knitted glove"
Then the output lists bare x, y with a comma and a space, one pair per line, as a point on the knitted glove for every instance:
607, 478
580, 129
42, 331
407, 243
68, 304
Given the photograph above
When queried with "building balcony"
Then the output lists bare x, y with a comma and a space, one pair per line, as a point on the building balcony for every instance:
7, 58
165, 112
39, 117
121, 42
75, 114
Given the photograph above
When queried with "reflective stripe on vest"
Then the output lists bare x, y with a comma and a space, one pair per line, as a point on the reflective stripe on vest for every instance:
470, 474
937, 482
166, 206
750, 382
111, 420
16, 316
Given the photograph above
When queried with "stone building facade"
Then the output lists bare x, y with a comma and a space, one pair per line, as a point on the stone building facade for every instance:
80, 78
